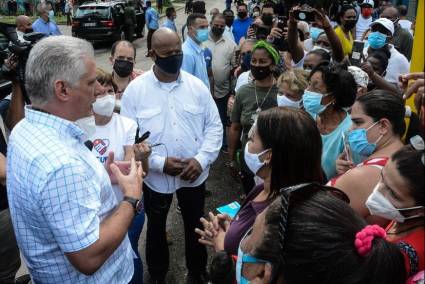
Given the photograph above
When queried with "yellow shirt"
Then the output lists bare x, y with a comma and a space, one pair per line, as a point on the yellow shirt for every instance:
347, 44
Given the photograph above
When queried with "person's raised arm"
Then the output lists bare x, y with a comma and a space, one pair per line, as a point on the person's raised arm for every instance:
294, 45
323, 22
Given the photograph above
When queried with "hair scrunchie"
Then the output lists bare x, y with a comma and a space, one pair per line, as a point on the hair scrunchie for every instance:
364, 238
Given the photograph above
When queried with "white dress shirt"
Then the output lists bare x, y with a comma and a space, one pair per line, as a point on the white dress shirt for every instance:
183, 116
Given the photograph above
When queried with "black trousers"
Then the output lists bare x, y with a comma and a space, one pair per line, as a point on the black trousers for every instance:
191, 202
149, 39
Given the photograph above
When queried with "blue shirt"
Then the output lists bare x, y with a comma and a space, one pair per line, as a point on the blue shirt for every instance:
59, 194
240, 28
333, 146
152, 18
48, 28
169, 24
194, 61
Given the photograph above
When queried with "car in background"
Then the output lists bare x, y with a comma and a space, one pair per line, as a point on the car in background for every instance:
103, 21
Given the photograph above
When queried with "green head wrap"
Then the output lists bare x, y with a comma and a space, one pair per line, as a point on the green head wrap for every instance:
270, 49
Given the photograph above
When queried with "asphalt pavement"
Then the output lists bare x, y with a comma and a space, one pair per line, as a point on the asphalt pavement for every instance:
223, 188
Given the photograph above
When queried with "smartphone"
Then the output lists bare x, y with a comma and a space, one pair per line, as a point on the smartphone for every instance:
282, 22
143, 137
304, 15
347, 150
357, 52
261, 32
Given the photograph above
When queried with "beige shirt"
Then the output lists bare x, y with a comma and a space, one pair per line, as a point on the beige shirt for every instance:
223, 61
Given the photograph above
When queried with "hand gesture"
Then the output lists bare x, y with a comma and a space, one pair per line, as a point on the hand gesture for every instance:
142, 151
343, 164
131, 183
174, 166
367, 67
124, 167
322, 21
192, 170
214, 230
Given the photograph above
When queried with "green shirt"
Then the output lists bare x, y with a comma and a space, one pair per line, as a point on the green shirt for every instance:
245, 105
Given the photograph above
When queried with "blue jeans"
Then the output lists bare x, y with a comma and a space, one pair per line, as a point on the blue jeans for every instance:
134, 233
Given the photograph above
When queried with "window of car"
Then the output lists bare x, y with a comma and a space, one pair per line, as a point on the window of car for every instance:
93, 10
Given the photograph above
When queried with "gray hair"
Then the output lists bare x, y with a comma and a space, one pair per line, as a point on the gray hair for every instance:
55, 58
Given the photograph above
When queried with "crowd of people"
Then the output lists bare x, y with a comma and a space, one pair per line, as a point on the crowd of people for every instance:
314, 109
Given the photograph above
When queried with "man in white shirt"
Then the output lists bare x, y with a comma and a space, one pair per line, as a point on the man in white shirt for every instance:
23, 26
179, 111
404, 22
365, 18
223, 61
228, 30
397, 63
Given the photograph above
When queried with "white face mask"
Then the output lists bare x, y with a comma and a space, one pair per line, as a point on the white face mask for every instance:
322, 48
253, 160
87, 124
284, 101
105, 105
378, 205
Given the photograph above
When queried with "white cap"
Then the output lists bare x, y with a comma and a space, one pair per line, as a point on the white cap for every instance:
388, 24
368, 2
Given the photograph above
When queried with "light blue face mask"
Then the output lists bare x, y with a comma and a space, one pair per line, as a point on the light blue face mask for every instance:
377, 40
357, 139
312, 102
202, 35
244, 258
315, 32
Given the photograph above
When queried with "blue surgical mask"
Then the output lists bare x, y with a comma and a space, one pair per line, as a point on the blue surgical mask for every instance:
315, 32
202, 35
377, 40
244, 258
312, 102
357, 139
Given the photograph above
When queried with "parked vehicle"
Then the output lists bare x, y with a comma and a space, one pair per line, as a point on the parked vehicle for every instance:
103, 21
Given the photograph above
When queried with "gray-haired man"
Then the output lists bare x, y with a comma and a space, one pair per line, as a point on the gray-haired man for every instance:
68, 223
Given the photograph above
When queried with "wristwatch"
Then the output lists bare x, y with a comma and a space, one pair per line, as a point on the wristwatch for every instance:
136, 203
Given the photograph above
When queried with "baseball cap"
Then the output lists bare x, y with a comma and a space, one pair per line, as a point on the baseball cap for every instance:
368, 2
388, 24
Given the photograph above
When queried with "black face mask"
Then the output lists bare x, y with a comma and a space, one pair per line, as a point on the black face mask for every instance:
267, 19
350, 24
123, 68
171, 64
218, 32
28, 31
229, 22
242, 15
260, 72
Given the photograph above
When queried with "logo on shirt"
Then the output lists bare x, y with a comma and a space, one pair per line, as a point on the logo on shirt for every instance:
101, 146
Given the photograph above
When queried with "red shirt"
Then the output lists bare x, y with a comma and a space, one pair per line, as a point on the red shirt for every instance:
412, 247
